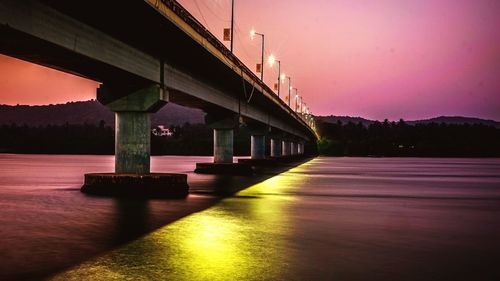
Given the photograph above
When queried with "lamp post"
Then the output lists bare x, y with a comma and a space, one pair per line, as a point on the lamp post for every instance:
252, 34
229, 32
232, 24
296, 98
271, 61
289, 88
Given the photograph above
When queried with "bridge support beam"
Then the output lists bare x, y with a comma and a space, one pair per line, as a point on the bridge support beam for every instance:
223, 126
275, 147
132, 142
293, 148
285, 148
133, 128
132, 175
258, 147
258, 141
223, 146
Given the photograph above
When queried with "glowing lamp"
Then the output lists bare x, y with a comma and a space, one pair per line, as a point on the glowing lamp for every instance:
271, 60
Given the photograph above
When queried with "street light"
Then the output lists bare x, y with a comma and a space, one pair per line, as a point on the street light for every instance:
289, 88
252, 34
296, 98
283, 77
232, 24
271, 61
300, 104
228, 32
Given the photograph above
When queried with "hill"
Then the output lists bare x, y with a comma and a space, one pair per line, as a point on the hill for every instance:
344, 119
90, 112
456, 120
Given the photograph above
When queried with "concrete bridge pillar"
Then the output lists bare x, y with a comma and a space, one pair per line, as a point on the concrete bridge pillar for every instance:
285, 148
132, 175
223, 145
293, 148
132, 142
133, 128
258, 147
223, 124
300, 148
275, 147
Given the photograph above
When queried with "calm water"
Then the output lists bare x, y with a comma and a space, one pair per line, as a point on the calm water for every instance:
327, 219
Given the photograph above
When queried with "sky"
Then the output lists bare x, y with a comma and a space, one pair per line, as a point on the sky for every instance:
377, 59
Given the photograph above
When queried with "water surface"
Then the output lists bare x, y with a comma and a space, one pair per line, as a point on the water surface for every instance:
327, 219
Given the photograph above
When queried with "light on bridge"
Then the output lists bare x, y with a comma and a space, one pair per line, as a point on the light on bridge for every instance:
271, 60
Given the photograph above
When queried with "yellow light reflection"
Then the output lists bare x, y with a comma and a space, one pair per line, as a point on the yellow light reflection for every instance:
240, 238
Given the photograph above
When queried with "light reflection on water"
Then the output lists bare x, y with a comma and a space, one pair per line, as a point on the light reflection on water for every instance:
241, 238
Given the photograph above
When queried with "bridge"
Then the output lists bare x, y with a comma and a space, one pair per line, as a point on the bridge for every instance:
147, 53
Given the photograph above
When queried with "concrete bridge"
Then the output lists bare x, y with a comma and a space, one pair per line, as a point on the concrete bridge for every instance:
145, 54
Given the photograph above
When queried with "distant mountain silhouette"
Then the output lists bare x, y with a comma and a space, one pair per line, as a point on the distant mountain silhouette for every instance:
90, 112
345, 119
441, 119
457, 120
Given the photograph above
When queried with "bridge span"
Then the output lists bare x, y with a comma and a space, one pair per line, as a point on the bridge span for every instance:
147, 53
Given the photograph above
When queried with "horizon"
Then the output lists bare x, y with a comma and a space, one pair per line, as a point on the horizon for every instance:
378, 61
347, 116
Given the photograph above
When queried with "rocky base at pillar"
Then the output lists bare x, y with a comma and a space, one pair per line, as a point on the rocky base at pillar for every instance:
153, 185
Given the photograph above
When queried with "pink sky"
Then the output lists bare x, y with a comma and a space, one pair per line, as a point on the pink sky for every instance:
380, 59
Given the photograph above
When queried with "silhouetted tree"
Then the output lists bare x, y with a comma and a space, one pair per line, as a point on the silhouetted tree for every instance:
400, 139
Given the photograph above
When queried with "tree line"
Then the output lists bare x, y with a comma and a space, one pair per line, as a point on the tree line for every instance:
337, 139
188, 139
401, 139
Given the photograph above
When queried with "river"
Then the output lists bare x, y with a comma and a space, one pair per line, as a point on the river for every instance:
326, 219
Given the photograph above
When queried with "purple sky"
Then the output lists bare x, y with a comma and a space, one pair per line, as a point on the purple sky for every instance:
380, 59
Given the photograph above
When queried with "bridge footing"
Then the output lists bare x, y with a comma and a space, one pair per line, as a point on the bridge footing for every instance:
224, 168
153, 185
